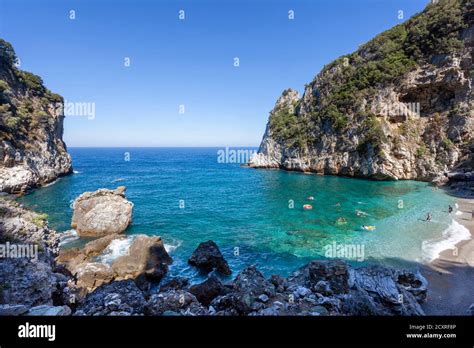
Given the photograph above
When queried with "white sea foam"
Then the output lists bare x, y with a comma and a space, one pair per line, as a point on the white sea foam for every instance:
454, 234
172, 247
51, 183
76, 172
67, 237
116, 248
118, 180
458, 212
120, 247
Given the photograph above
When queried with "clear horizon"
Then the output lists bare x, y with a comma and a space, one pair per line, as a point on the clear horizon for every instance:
139, 67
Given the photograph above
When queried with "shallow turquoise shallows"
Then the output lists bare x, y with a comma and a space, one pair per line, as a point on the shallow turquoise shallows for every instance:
248, 212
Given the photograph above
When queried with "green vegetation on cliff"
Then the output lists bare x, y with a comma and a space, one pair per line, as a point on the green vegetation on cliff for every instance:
25, 102
345, 83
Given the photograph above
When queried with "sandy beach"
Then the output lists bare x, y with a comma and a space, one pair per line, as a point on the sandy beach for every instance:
451, 276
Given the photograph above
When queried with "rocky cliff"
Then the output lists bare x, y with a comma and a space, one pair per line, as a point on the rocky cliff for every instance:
32, 152
400, 107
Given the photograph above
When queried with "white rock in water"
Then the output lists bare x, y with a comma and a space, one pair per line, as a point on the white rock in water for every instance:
102, 212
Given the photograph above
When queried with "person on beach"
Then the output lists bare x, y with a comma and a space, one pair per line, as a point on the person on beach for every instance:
428, 217
450, 209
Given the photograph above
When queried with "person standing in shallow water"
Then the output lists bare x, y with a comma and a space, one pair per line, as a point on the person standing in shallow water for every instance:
428, 217
450, 209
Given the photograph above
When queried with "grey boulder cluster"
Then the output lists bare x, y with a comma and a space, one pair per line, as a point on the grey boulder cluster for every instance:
30, 285
329, 287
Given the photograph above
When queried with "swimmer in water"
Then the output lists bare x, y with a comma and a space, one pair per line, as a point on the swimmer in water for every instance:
341, 221
360, 213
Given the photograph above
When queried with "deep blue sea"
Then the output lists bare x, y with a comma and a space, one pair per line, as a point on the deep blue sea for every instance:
255, 216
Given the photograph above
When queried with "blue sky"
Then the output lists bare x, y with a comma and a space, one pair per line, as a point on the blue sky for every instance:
185, 62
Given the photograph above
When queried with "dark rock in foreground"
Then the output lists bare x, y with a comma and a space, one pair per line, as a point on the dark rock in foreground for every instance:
208, 290
208, 257
319, 288
117, 298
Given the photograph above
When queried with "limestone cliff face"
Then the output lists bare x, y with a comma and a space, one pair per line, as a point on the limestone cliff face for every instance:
401, 107
32, 152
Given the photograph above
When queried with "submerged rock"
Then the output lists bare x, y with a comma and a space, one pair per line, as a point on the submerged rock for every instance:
208, 257
102, 212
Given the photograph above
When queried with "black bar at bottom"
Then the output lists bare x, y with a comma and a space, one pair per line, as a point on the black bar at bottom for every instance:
241, 330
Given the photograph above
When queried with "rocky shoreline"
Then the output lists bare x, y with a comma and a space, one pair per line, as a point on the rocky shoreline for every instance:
73, 281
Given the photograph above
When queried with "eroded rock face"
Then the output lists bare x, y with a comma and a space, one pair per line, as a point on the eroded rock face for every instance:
417, 124
102, 212
30, 280
208, 257
32, 151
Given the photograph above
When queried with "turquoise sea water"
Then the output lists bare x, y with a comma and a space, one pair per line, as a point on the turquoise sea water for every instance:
247, 212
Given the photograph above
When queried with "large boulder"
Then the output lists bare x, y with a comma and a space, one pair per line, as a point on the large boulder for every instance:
74, 258
206, 291
146, 256
377, 290
207, 257
102, 212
